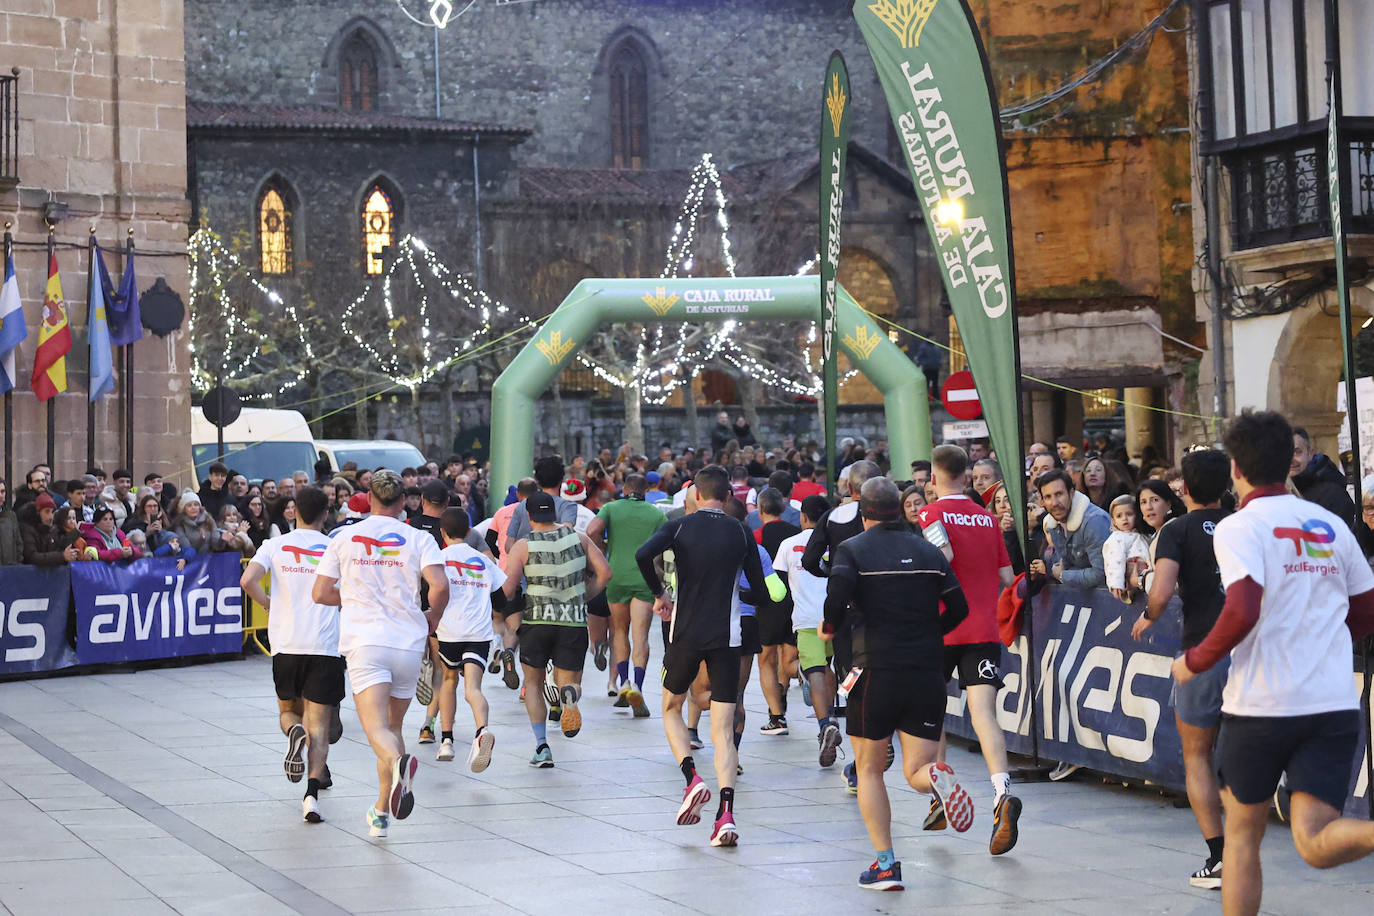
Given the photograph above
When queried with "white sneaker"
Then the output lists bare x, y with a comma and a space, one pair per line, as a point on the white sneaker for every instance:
1064, 771
310, 810
479, 755
445, 750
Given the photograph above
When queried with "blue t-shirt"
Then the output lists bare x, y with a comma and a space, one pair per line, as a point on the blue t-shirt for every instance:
747, 610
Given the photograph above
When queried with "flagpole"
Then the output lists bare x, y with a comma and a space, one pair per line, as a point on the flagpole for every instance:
129, 370
90, 351
52, 418
9, 395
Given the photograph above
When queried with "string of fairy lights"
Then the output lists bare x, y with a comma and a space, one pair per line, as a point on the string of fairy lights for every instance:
658, 369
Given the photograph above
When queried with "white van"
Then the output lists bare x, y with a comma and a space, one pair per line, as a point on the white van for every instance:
370, 453
260, 443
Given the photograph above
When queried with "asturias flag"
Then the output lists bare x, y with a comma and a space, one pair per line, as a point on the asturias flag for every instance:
54, 340
121, 305
98, 333
12, 326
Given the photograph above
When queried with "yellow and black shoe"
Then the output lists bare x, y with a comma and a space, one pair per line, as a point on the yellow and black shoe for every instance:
935, 818
1004, 817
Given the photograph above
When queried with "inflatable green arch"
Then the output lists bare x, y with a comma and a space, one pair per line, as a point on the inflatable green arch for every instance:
596, 302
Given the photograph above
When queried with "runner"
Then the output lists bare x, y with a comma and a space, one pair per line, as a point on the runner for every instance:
775, 616
808, 610
306, 667
750, 644
888, 584
971, 540
465, 634
503, 659
710, 549
1184, 556
1297, 589
372, 570
628, 523
554, 559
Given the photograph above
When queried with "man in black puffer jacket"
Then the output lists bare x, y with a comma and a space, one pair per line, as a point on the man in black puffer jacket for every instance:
1318, 480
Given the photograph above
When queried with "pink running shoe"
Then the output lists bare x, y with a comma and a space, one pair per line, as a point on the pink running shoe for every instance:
694, 798
725, 832
956, 802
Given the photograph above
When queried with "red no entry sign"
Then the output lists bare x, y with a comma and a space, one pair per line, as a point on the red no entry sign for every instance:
961, 397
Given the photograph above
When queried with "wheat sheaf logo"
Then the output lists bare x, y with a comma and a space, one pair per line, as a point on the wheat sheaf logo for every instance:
555, 348
835, 101
861, 342
905, 17
660, 301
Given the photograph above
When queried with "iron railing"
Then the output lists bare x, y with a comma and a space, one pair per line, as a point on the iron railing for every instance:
9, 129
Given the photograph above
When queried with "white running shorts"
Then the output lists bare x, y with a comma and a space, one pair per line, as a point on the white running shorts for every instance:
369, 666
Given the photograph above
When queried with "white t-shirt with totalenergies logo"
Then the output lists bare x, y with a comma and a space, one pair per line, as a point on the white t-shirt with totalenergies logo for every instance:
297, 625
808, 591
471, 579
1297, 660
378, 563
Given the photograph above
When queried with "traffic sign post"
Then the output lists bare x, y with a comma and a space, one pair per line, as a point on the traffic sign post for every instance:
960, 396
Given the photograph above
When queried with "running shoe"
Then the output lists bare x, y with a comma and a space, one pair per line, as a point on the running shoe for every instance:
935, 817
600, 649
402, 776
891, 756
806, 690
327, 780
479, 756
622, 697
543, 757
610, 692
829, 740
776, 725
882, 879
494, 666
694, 739
851, 779
294, 762
570, 720
424, 687
1064, 771
1207, 877
638, 705
1005, 814
694, 798
956, 802
310, 809
555, 713
725, 833
1282, 798
508, 672
550, 688
427, 731
445, 750
376, 823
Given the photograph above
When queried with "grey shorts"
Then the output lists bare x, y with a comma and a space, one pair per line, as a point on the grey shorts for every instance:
1198, 702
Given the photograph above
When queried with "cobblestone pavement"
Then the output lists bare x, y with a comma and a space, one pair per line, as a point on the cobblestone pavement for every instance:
162, 791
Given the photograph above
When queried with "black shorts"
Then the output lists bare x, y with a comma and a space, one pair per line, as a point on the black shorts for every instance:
455, 655
887, 700
1317, 751
775, 626
317, 678
541, 643
513, 605
598, 606
977, 663
681, 664
749, 636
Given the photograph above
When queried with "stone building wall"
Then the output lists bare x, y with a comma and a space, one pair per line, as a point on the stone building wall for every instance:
102, 130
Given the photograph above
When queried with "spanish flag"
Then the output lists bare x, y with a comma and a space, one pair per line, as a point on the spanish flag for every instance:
54, 339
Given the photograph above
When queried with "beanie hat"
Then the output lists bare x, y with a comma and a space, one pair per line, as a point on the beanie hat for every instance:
44, 501
189, 496
359, 503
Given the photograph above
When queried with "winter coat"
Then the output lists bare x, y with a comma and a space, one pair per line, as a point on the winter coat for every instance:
122, 508
202, 536
1078, 543
109, 547
1321, 482
11, 541
1120, 547
42, 543
722, 434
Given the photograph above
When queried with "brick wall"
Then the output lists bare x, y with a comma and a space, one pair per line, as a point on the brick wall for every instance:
103, 130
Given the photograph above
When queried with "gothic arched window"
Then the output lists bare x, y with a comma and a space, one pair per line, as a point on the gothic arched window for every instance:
358, 74
276, 252
379, 228
629, 75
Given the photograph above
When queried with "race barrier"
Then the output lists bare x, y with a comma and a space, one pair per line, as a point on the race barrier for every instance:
118, 612
1103, 699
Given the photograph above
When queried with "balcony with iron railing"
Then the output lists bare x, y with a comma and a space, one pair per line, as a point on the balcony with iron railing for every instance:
1279, 190
9, 130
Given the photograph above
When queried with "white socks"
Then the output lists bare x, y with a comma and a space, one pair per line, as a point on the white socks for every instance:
1001, 785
